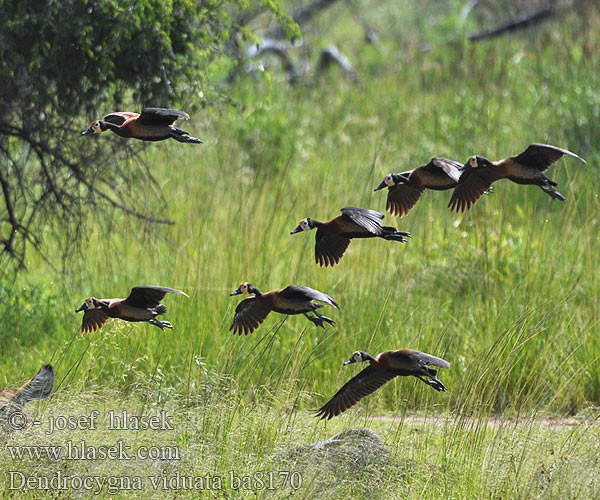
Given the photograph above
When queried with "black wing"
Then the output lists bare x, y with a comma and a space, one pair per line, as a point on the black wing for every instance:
363, 384
426, 359
161, 116
249, 314
92, 320
365, 218
472, 185
149, 296
451, 168
330, 248
541, 156
401, 198
295, 292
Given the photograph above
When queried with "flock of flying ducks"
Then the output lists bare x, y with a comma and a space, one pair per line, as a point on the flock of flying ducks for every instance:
469, 181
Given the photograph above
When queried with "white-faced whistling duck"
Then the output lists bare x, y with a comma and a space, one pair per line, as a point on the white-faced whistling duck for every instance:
405, 188
143, 304
333, 237
292, 299
153, 124
382, 368
525, 168
38, 387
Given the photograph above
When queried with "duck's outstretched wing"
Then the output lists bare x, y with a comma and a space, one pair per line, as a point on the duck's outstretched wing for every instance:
363, 384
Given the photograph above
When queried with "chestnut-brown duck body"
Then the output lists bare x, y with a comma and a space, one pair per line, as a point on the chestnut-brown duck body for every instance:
333, 237
405, 188
153, 124
382, 368
142, 304
524, 168
291, 300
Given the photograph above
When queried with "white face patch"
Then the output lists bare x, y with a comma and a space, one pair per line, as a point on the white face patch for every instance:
90, 304
96, 127
244, 287
473, 162
389, 181
357, 357
305, 225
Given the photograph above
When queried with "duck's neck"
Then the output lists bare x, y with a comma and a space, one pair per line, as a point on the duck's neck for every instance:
108, 125
255, 291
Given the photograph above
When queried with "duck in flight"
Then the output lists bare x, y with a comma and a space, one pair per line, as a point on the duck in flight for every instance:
153, 124
293, 299
142, 304
333, 237
527, 167
382, 368
405, 188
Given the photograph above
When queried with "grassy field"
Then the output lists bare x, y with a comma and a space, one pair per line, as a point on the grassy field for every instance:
508, 293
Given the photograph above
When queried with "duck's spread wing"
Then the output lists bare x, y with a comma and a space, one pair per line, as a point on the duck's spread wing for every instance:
93, 319
541, 156
450, 167
427, 359
149, 296
473, 184
119, 117
329, 248
401, 198
249, 314
295, 292
363, 217
161, 116
363, 384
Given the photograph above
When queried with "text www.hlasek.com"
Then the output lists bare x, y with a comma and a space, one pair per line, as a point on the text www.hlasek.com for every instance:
82, 451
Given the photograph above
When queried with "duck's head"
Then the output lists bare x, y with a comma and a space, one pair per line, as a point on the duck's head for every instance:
358, 357
244, 289
95, 128
390, 180
90, 303
478, 161
305, 225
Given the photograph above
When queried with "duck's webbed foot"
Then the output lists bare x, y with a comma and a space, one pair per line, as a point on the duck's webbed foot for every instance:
319, 320
553, 193
161, 324
435, 383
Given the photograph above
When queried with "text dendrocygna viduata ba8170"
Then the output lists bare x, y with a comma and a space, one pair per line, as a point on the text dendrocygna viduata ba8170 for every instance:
382, 368
38, 387
525, 168
405, 188
153, 124
292, 299
142, 304
333, 237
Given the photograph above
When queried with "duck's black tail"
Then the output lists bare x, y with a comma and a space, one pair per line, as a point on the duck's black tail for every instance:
160, 309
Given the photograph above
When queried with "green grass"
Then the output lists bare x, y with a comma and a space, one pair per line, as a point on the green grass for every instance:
508, 293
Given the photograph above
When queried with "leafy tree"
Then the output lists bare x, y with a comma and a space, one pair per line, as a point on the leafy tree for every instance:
64, 63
